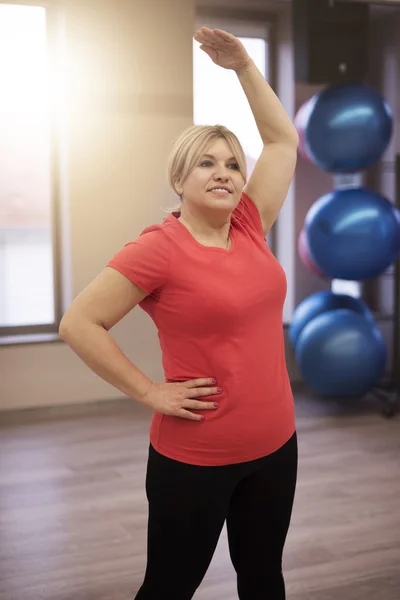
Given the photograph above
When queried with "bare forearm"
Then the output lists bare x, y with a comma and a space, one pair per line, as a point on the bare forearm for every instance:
271, 118
99, 351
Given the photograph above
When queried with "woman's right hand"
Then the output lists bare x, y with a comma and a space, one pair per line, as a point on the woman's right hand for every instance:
175, 399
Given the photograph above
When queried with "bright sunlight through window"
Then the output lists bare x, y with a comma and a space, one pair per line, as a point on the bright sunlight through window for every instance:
26, 256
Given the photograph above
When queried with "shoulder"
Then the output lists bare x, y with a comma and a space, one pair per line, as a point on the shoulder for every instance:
150, 247
155, 236
145, 260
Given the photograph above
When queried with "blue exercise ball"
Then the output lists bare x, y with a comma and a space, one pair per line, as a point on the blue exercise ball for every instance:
320, 303
349, 127
353, 233
340, 353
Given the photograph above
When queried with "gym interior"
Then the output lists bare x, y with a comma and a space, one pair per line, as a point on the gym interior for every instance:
94, 94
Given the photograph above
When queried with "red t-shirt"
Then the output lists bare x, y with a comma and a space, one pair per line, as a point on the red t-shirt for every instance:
219, 314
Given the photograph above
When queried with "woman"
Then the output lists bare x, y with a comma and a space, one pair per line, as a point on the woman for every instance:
223, 438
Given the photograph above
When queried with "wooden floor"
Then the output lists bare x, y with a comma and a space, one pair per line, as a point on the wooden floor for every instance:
73, 508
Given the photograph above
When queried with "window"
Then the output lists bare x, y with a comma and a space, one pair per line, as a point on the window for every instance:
218, 96
27, 298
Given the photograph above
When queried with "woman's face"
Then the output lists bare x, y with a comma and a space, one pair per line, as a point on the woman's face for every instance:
215, 183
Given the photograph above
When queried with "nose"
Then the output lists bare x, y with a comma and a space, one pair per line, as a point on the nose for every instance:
222, 173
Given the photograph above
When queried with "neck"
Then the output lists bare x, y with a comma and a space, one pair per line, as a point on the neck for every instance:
210, 230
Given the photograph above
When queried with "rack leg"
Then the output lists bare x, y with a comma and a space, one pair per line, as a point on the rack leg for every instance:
389, 396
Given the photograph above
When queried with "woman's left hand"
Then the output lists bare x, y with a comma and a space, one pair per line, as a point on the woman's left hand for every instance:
223, 48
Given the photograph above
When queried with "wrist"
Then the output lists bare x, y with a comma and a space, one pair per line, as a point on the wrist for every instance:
244, 67
145, 389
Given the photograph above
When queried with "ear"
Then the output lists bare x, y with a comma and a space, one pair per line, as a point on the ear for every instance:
178, 187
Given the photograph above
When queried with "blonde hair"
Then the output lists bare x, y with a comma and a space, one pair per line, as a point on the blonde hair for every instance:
191, 145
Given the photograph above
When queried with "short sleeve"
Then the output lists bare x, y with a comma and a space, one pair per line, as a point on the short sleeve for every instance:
247, 214
144, 261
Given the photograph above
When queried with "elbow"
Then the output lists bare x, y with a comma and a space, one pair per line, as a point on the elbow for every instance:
67, 325
296, 139
292, 138
70, 326
62, 329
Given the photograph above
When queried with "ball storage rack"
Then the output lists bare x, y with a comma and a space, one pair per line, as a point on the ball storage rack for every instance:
388, 391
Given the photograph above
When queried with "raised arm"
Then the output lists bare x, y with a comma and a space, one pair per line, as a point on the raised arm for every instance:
273, 172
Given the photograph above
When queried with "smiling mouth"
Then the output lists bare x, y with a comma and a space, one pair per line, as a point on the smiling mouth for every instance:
220, 191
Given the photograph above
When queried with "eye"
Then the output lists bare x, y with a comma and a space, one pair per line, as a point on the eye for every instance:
207, 163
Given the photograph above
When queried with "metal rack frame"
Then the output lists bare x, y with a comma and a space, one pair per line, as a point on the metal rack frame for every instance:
388, 392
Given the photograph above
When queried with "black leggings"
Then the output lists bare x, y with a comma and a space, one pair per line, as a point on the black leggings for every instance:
188, 506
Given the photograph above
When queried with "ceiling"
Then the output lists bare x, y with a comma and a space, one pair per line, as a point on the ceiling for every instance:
380, 8
270, 6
